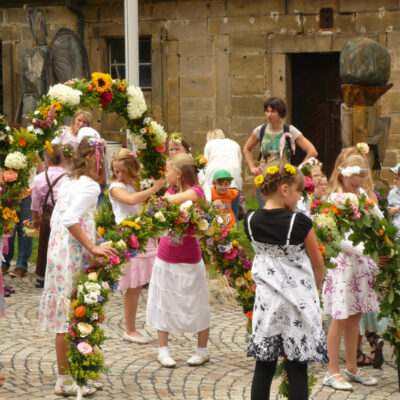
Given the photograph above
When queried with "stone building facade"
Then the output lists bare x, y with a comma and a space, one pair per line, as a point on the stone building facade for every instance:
214, 62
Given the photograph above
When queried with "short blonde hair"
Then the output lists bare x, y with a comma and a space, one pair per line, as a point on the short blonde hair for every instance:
185, 164
215, 134
129, 160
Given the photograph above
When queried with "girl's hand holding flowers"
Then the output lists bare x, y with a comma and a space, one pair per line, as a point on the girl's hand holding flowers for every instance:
104, 251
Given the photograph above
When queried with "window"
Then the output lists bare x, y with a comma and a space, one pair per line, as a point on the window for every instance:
116, 48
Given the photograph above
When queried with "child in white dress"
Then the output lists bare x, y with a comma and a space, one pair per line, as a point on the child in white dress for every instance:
178, 293
349, 288
72, 237
287, 269
125, 198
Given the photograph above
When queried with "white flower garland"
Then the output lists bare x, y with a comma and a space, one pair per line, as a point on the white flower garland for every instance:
16, 160
350, 171
160, 136
65, 95
136, 102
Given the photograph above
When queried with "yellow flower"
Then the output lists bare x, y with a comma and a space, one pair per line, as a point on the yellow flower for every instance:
247, 275
235, 243
289, 169
258, 180
131, 224
102, 82
100, 230
74, 303
48, 146
92, 276
57, 107
272, 170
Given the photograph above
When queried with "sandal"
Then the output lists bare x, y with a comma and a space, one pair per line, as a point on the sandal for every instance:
376, 343
363, 360
337, 381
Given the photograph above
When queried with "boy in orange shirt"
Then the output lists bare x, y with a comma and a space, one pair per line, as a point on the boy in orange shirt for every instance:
222, 195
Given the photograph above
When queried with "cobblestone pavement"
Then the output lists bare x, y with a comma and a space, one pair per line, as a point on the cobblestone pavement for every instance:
27, 358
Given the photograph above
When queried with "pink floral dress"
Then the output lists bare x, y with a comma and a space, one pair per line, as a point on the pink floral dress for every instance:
65, 255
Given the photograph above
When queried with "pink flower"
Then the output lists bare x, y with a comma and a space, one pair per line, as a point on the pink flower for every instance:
190, 230
84, 348
114, 259
161, 148
133, 242
72, 332
227, 273
224, 233
74, 321
309, 186
231, 255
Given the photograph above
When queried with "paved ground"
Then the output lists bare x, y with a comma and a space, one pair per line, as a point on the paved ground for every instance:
27, 358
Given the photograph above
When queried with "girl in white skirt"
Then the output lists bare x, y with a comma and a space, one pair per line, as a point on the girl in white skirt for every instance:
125, 198
178, 294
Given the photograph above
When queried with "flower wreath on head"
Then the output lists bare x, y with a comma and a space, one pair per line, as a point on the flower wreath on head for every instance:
175, 138
362, 148
351, 171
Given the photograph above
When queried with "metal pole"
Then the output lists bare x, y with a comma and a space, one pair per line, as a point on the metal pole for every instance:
131, 18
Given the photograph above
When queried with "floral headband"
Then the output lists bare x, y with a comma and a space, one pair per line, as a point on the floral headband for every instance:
311, 162
175, 138
362, 148
273, 170
97, 143
350, 171
68, 152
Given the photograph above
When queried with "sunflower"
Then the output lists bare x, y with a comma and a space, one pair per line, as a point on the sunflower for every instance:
272, 170
102, 82
289, 169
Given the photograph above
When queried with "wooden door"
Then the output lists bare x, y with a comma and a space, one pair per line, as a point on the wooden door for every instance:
316, 99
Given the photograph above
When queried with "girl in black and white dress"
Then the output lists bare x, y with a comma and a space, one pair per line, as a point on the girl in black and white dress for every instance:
287, 268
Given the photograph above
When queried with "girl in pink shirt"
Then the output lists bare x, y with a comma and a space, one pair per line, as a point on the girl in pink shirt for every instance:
178, 294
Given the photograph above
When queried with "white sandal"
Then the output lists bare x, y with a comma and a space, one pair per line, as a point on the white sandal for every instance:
198, 359
166, 360
330, 380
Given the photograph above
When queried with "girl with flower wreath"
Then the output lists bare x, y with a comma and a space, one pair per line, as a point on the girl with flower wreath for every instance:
349, 288
125, 198
287, 269
72, 238
178, 293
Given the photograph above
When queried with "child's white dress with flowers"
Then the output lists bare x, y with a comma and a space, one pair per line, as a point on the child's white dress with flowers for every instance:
76, 203
349, 288
286, 315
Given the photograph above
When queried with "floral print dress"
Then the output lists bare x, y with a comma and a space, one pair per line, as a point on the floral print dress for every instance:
65, 258
286, 316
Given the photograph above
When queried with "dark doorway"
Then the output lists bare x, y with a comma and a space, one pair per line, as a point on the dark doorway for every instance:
316, 99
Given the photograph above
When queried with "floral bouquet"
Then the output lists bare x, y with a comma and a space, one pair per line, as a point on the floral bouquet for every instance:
201, 161
29, 230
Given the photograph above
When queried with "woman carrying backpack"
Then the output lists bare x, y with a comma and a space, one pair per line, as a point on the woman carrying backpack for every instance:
277, 140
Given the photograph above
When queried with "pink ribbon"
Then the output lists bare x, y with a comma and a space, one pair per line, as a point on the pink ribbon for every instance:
283, 142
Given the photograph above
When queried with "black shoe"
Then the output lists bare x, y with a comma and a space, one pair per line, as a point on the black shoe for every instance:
39, 284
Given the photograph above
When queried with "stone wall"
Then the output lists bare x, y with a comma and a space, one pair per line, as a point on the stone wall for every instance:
215, 61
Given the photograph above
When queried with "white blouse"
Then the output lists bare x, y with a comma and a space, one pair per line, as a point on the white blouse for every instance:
122, 210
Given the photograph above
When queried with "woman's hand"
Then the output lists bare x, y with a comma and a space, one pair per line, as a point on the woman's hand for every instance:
256, 171
393, 210
104, 251
383, 260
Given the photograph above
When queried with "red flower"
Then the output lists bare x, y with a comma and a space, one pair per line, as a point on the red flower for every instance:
309, 186
106, 97
9, 176
133, 242
161, 148
22, 142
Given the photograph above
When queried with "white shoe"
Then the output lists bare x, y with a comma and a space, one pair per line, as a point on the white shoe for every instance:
70, 388
198, 359
166, 360
140, 340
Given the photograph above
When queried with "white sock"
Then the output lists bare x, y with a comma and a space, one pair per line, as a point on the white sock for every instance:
65, 380
163, 350
203, 350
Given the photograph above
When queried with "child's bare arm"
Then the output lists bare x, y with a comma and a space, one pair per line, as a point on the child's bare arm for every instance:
182, 197
317, 261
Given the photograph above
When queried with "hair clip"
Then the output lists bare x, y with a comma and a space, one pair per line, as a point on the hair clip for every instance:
132, 155
350, 171
175, 138
68, 153
96, 142
272, 170
363, 148
259, 180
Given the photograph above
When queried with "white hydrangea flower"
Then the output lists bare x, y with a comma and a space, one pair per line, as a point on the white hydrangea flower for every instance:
143, 131
147, 121
324, 221
138, 142
38, 131
92, 287
16, 160
2, 135
159, 216
160, 136
81, 289
136, 102
91, 298
203, 225
65, 94
184, 207
30, 128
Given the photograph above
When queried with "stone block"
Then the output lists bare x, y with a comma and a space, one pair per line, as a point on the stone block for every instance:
391, 159
105, 13
172, 66
395, 55
258, 24
172, 47
191, 104
394, 122
393, 141
150, 28
196, 66
318, 43
203, 9
194, 121
15, 16
393, 40
247, 65
391, 102
252, 43
14, 33
243, 126
338, 41
196, 87
199, 46
310, 7
254, 7
59, 15
173, 105
173, 87
342, 23
362, 5
395, 79
377, 21
173, 123
247, 106
186, 28
159, 10
248, 86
